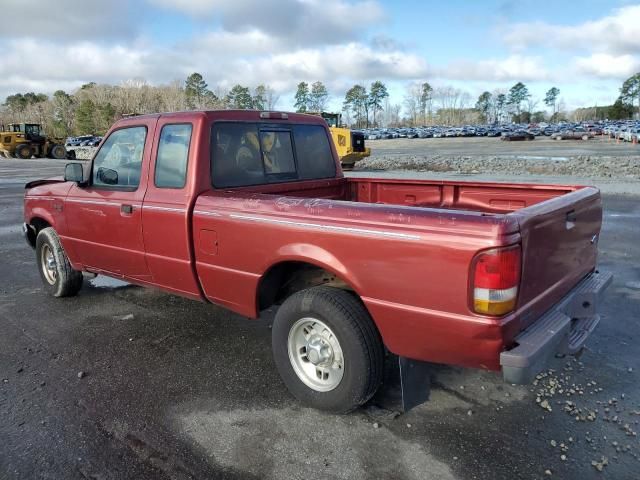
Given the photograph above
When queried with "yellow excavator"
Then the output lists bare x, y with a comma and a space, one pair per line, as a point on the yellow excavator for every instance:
26, 140
350, 145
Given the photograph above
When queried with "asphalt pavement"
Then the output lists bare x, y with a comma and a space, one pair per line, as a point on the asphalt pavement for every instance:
124, 382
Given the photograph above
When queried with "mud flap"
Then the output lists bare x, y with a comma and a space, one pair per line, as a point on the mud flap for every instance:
407, 384
415, 381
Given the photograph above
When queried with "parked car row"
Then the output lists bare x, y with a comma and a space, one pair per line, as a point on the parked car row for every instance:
83, 141
626, 133
625, 130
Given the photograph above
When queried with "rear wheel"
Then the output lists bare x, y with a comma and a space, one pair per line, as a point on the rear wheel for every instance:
58, 152
327, 349
58, 277
585, 137
24, 151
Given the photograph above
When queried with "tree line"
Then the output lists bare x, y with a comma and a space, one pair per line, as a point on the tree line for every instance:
93, 108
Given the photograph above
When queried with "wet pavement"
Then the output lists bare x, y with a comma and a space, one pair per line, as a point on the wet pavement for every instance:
125, 382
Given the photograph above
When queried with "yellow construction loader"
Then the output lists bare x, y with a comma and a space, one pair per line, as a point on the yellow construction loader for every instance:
350, 145
26, 140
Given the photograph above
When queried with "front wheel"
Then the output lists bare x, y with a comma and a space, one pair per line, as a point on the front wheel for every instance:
58, 277
327, 349
58, 152
24, 151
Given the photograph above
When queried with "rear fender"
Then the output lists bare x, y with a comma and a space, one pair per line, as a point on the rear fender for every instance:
315, 255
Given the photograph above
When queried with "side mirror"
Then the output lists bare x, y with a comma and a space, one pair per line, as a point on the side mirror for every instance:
107, 176
73, 173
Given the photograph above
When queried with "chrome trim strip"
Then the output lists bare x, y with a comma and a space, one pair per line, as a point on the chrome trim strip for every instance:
164, 209
102, 202
335, 228
209, 214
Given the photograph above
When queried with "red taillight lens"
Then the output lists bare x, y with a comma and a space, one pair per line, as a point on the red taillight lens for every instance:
498, 268
496, 277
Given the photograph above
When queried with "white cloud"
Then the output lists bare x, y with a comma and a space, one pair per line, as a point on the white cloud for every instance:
604, 65
301, 22
512, 68
616, 33
68, 20
223, 58
223, 43
332, 65
82, 60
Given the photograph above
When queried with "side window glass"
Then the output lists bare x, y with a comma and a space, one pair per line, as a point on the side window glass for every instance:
173, 153
119, 161
235, 155
313, 151
243, 154
277, 152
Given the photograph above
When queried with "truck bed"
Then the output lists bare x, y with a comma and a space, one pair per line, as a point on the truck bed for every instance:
424, 230
480, 197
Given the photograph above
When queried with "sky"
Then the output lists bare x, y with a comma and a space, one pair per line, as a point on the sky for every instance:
585, 48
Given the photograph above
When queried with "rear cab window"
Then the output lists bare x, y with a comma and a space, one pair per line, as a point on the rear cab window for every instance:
245, 154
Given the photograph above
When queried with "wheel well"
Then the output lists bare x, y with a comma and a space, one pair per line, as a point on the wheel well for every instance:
36, 225
286, 278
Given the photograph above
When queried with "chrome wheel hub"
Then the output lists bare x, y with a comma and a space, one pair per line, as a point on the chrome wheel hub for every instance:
315, 354
319, 352
49, 267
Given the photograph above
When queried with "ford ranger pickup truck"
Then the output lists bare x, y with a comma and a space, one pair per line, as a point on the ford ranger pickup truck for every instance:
250, 210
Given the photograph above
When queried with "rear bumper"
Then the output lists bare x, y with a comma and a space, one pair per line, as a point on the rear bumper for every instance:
563, 329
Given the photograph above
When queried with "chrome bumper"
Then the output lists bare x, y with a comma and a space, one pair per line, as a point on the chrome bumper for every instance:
563, 329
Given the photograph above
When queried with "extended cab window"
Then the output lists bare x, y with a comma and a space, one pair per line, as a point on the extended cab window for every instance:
245, 154
315, 158
119, 161
173, 152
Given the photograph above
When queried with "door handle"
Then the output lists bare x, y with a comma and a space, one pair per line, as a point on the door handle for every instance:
128, 209
570, 220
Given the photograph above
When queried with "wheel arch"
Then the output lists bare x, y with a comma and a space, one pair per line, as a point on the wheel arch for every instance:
34, 226
295, 270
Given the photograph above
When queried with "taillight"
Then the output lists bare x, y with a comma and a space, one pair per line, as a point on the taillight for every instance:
496, 277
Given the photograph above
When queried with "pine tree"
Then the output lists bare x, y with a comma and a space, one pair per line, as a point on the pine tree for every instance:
85, 123
302, 97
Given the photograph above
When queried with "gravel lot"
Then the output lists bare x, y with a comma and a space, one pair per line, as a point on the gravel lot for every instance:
595, 158
176, 389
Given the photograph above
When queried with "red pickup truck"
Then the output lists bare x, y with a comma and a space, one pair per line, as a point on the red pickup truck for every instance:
250, 210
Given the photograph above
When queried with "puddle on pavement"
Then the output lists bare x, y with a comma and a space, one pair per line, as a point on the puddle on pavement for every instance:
107, 282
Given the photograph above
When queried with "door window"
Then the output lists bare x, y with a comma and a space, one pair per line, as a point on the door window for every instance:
119, 161
173, 153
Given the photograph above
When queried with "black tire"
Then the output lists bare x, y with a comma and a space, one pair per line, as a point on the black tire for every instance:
58, 152
358, 338
24, 151
66, 282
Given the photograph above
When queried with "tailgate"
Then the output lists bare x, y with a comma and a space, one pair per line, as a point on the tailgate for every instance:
559, 247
